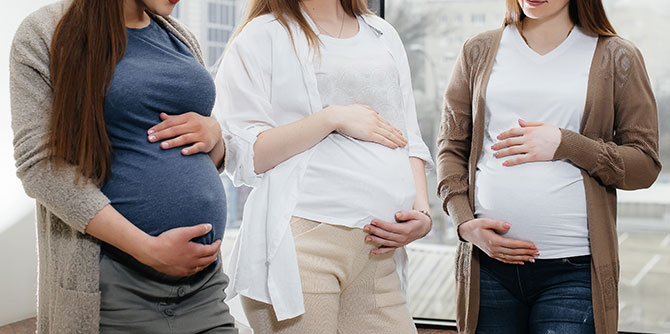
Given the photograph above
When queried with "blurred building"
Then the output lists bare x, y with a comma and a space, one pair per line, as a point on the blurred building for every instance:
212, 21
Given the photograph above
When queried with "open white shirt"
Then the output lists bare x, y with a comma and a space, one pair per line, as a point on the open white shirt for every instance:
262, 84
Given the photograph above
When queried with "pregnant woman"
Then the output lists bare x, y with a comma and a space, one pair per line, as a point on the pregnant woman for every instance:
544, 119
129, 228
318, 113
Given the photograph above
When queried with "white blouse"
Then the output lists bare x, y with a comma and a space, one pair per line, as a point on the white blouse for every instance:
350, 182
262, 84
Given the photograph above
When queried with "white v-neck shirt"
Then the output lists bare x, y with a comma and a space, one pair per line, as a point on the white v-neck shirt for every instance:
544, 202
347, 181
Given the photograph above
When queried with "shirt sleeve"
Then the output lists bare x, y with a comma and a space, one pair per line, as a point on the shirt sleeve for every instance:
417, 147
243, 107
31, 107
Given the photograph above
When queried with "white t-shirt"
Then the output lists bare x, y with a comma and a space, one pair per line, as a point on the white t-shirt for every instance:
347, 181
544, 202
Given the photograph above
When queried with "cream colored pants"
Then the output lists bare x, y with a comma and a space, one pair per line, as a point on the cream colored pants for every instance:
346, 290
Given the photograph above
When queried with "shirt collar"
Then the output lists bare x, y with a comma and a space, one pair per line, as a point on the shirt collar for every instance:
364, 17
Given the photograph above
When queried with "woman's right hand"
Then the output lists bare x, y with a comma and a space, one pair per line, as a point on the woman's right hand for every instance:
363, 123
173, 253
484, 233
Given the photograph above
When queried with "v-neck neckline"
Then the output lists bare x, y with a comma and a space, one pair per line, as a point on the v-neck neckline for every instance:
532, 54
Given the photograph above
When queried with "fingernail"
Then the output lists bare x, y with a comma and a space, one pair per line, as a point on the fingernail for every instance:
366, 229
150, 131
152, 138
208, 227
373, 223
532, 260
164, 145
368, 239
507, 225
505, 163
185, 151
495, 154
398, 215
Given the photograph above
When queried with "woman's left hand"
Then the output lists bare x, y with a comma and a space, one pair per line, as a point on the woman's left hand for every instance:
533, 141
411, 225
200, 132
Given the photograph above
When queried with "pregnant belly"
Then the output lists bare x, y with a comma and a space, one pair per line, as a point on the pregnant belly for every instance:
351, 182
544, 202
166, 191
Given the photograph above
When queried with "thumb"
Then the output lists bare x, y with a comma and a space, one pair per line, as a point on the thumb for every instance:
498, 226
195, 231
164, 116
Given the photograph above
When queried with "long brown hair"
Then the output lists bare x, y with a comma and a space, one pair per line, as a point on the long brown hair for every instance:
285, 10
89, 40
587, 14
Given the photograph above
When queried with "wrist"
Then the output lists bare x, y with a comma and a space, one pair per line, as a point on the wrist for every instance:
143, 252
329, 114
463, 231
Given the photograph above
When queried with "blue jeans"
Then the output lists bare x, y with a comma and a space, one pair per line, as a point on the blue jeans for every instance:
548, 296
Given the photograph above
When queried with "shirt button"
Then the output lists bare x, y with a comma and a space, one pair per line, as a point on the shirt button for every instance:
169, 312
181, 292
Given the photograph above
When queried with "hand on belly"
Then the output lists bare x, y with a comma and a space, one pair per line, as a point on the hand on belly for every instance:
411, 225
173, 253
486, 233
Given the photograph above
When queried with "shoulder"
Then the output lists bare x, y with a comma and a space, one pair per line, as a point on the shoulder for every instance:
177, 25
618, 49
379, 23
33, 37
618, 58
478, 48
483, 41
261, 28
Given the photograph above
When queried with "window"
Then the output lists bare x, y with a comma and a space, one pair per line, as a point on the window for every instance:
212, 21
433, 33
478, 19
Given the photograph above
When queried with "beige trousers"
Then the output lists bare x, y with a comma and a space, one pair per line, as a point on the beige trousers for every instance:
346, 290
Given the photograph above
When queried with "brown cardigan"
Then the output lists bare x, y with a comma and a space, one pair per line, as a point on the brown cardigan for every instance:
617, 147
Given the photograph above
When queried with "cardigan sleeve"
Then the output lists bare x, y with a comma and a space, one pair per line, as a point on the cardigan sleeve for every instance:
243, 105
454, 143
630, 160
31, 97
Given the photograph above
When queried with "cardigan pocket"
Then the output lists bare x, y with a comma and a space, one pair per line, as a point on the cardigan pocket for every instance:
75, 311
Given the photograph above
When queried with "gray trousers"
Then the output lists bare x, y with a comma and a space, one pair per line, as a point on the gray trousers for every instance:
138, 299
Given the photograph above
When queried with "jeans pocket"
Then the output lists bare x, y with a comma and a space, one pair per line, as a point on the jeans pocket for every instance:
580, 262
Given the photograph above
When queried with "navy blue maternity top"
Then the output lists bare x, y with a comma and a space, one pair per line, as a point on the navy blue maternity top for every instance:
158, 189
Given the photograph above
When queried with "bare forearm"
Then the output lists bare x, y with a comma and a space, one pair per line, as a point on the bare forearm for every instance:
111, 227
277, 145
419, 173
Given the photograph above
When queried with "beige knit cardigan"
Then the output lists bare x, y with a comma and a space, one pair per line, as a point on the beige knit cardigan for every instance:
616, 147
68, 291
